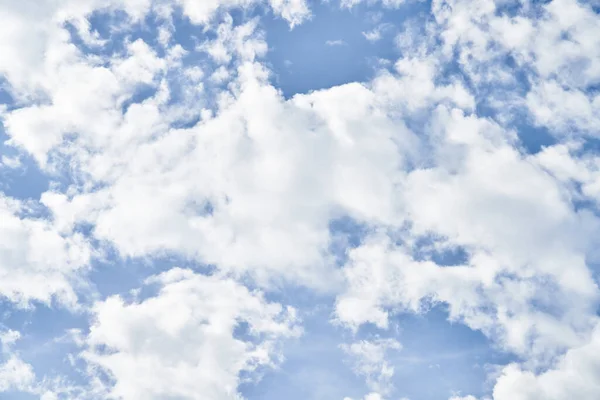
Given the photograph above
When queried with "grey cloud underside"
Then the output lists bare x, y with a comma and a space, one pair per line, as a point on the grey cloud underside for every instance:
216, 167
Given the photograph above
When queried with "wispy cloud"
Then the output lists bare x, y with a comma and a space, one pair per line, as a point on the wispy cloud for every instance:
377, 33
335, 43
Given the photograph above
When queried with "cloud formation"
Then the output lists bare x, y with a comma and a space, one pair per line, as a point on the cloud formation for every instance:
164, 136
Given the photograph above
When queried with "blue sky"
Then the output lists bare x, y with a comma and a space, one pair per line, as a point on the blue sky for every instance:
305, 199
323, 51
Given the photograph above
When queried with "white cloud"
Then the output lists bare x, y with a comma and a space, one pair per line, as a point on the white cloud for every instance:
29, 51
37, 264
243, 41
15, 374
11, 162
481, 174
560, 108
220, 76
293, 11
182, 343
34, 36
335, 43
373, 35
377, 33
68, 85
258, 180
369, 361
574, 376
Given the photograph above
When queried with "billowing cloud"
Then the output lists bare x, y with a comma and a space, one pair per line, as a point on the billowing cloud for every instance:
192, 340
37, 263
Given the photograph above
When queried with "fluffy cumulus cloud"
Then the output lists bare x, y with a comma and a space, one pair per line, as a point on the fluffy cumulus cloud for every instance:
37, 263
182, 343
463, 170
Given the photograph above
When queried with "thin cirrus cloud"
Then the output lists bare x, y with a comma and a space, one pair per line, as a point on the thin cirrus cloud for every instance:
337, 42
319, 244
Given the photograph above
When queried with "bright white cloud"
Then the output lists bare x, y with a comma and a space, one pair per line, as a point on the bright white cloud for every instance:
37, 264
182, 343
511, 263
575, 375
293, 11
256, 190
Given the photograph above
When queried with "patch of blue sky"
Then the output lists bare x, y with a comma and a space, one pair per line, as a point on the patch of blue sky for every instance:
6, 99
182, 33
512, 8
315, 366
23, 181
492, 101
346, 233
590, 145
430, 248
15, 395
132, 272
533, 138
115, 29
45, 340
142, 93
331, 48
440, 358
102, 27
